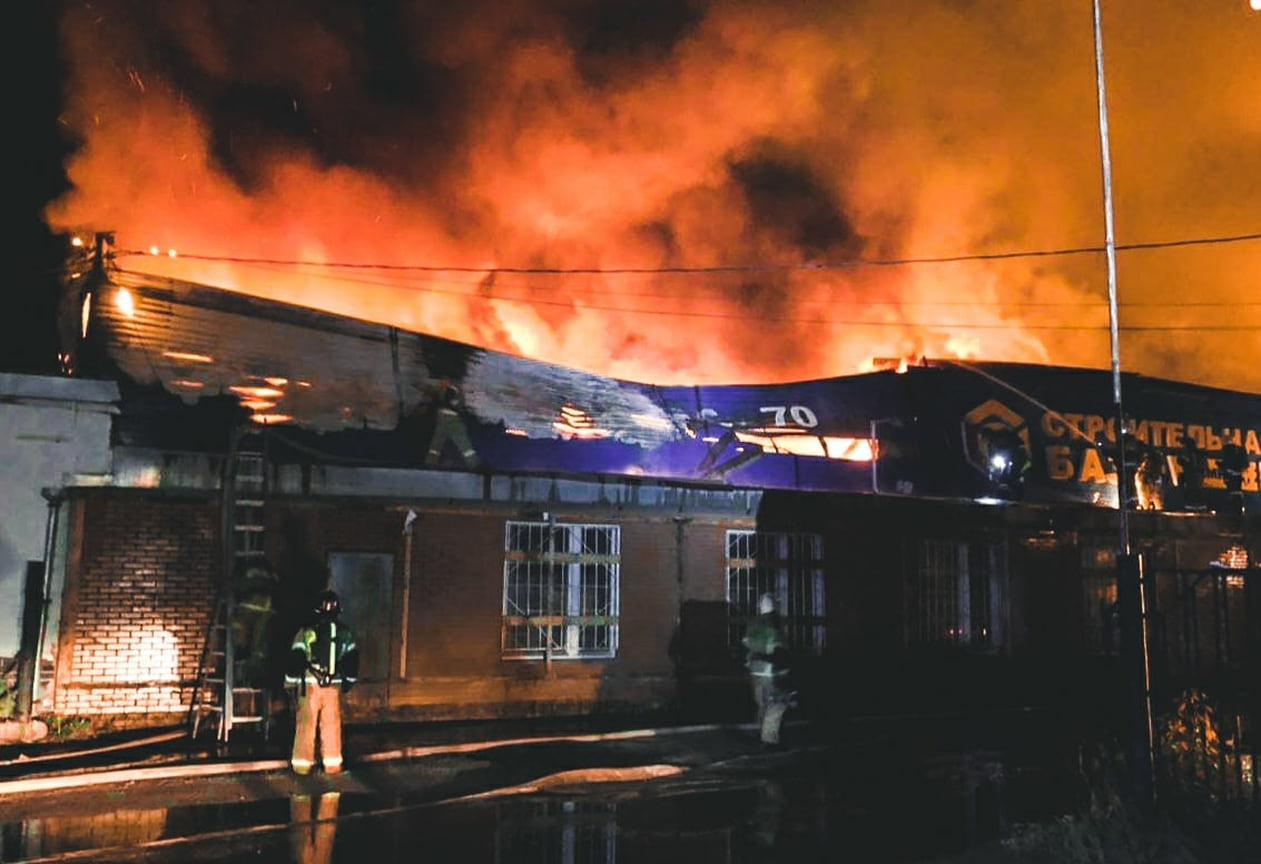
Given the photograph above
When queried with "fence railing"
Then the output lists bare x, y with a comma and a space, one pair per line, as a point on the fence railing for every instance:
1205, 663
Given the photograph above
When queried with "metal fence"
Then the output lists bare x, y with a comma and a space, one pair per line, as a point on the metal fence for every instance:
1204, 657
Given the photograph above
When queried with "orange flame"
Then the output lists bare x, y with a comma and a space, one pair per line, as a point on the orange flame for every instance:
754, 134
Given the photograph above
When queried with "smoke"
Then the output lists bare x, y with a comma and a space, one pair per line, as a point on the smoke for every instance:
763, 146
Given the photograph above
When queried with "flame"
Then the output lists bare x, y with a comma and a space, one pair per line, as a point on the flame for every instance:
800, 443
574, 423
256, 392
271, 419
533, 140
188, 357
125, 302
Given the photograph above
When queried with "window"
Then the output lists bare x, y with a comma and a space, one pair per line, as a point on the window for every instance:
561, 590
566, 831
1099, 589
787, 566
956, 594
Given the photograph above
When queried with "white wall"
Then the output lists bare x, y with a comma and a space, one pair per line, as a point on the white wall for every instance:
54, 432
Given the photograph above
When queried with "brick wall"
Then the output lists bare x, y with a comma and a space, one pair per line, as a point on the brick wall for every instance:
68, 834
140, 590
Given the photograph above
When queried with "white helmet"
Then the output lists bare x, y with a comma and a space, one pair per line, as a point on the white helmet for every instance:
765, 604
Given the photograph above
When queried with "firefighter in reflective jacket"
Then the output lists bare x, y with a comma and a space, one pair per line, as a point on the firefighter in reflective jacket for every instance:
323, 663
765, 661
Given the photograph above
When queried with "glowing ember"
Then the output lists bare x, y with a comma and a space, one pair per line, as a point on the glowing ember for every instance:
253, 392
188, 357
125, 302
271, 419
574, 423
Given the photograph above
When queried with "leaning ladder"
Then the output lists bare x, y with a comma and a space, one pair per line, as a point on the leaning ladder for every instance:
218, 693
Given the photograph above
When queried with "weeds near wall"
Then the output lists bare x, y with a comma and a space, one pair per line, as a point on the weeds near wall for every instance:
66, 728
8, 701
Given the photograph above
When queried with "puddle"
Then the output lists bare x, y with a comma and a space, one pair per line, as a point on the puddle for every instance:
809, 807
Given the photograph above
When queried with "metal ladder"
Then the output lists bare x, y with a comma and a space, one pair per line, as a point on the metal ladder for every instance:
218, 693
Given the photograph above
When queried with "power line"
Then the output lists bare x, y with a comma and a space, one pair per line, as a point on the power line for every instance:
463, 290
736, 316
904, 323
733, 268
594, 289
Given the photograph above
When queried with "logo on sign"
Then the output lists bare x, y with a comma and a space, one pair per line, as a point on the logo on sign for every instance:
996, 442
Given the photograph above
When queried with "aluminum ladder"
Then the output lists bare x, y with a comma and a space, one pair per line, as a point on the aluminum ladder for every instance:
222, 691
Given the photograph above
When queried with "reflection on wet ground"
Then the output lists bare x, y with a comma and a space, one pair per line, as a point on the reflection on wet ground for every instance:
811, 803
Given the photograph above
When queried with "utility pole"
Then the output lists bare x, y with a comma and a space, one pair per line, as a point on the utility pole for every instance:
1131, 585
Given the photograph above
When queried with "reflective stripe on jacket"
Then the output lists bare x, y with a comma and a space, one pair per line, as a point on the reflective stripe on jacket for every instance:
760, 641
325, 647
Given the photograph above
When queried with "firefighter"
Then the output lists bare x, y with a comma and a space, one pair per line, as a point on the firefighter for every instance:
254, 586
764, 660
323, 663
449, 426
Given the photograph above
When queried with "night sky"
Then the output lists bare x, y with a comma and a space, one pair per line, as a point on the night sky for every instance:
667, 191
28, 332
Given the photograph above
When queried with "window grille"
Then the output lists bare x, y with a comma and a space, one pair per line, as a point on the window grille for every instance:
565, 831
561, 590
790, 568
1099, 590
955, 597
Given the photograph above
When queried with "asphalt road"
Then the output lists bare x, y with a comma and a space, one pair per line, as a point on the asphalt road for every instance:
524, 791
172, 807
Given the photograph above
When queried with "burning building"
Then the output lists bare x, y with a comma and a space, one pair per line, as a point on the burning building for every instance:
513, 537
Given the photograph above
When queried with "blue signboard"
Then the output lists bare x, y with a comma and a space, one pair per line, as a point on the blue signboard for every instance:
990, 431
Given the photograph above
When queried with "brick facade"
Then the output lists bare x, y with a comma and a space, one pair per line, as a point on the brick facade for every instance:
139, 595
142, 570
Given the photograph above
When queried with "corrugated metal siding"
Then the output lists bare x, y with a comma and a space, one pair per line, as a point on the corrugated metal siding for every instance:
196, 342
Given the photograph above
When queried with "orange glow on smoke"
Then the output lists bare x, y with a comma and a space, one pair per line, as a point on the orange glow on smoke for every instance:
549, 158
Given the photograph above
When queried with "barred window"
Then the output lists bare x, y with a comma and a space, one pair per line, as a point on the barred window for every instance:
956, 594
1099, 596
566, 831
561, 590
790, 568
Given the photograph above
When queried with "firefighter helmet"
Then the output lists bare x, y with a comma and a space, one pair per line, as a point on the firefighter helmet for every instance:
327, 605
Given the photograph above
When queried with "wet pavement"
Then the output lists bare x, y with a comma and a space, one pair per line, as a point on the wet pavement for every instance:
564, 792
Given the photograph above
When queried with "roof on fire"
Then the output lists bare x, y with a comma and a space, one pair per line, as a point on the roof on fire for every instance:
330, 372
193, 360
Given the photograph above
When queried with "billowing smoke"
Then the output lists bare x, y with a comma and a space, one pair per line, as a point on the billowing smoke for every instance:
675, 191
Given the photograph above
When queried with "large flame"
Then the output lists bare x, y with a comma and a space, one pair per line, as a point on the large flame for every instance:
772, 141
